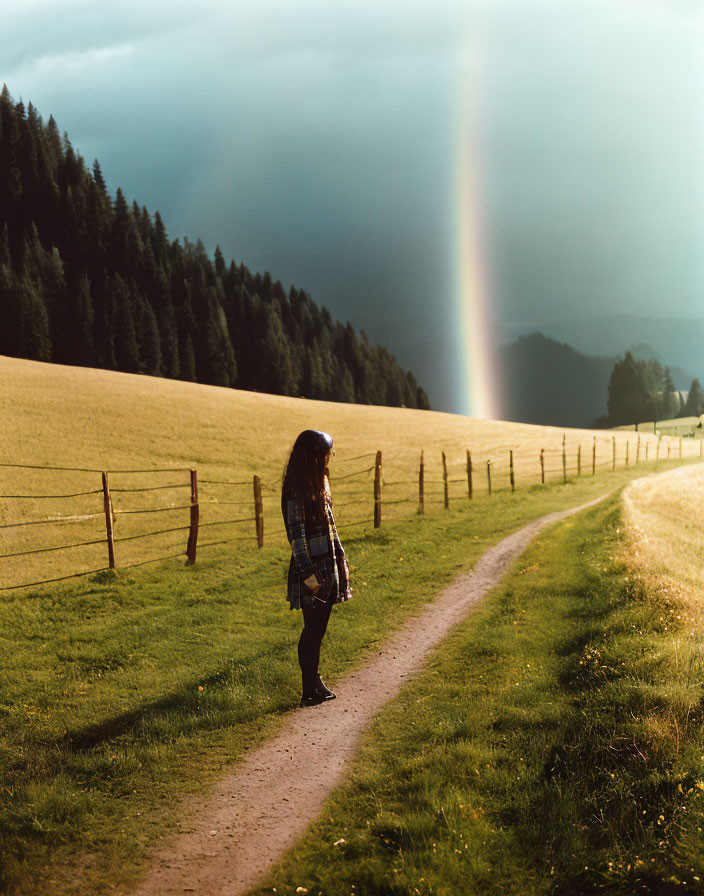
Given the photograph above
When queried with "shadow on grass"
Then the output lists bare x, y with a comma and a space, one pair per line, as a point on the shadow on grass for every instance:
200, 705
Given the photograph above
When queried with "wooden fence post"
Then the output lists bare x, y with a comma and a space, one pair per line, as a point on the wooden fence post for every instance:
488, 475
564, 459
470, 489
421, 485
377, 491
579, 460
542, 466
638, 451
444, 480
195, 515
594, 457
510, 469
613, 467
669, 445
627, 444
657, 449
646, 452
107, 502
258, 511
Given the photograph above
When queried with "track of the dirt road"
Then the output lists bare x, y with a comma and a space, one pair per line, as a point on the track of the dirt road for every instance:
234, 834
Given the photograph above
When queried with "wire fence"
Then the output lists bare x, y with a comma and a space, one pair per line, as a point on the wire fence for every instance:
99, 530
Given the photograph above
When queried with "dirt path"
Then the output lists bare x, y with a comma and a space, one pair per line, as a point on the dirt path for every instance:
252, 816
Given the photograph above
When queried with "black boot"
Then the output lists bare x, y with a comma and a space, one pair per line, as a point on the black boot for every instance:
322, 689
316, 694
312, 699
311, 695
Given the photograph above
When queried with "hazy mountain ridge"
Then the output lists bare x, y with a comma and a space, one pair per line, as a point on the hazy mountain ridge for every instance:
548, 382
674, 341
544, 379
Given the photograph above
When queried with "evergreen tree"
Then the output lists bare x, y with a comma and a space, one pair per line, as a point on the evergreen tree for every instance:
346, 386
670, 398
668, 384
11, 310
98, 177
104, 315
219, 364
423, 402
188, 360
150, 345
123, 325
82, 322
34, 324
695, 400
125, 244
275, 369
628, 397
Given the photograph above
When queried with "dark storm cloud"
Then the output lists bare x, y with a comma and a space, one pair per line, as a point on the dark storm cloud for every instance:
596, 179
318, 140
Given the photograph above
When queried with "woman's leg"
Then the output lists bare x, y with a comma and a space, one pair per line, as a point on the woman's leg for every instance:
315, 623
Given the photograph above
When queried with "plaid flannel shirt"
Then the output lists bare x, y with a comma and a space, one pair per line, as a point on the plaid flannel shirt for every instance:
317, 556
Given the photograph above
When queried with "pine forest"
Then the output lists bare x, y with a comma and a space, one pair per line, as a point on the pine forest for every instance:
90, 280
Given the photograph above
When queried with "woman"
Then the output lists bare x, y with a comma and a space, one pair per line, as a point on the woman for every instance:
318, 575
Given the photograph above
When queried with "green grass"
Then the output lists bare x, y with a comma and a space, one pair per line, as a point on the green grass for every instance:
553, 745
120, 696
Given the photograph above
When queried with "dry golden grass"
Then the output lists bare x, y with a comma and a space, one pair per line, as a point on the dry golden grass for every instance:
665, 519
102, 420
677, 426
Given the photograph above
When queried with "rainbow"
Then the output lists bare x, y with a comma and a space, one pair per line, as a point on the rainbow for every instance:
478, 392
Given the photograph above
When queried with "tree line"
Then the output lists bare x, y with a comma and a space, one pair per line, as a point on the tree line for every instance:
91, 280
640, 391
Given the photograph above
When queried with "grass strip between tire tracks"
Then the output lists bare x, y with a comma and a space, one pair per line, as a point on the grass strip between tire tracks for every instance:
552, 745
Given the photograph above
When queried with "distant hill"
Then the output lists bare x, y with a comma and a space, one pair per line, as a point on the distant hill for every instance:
89, 279
551, 383
676, 341
532, 365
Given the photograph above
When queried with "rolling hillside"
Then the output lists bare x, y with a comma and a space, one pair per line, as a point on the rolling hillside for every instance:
91, 420
70, 416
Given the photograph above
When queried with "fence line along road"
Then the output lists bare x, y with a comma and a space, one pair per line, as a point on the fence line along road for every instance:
357, 489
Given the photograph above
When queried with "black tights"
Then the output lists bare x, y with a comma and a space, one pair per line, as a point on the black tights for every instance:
315, 622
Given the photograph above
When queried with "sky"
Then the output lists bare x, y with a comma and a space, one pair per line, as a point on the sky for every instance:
529, 161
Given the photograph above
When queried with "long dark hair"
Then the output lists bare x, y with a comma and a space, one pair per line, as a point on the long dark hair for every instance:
305, 471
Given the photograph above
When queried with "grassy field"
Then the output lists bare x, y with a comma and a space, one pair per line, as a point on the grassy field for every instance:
119, 697
554, 743
101, 420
